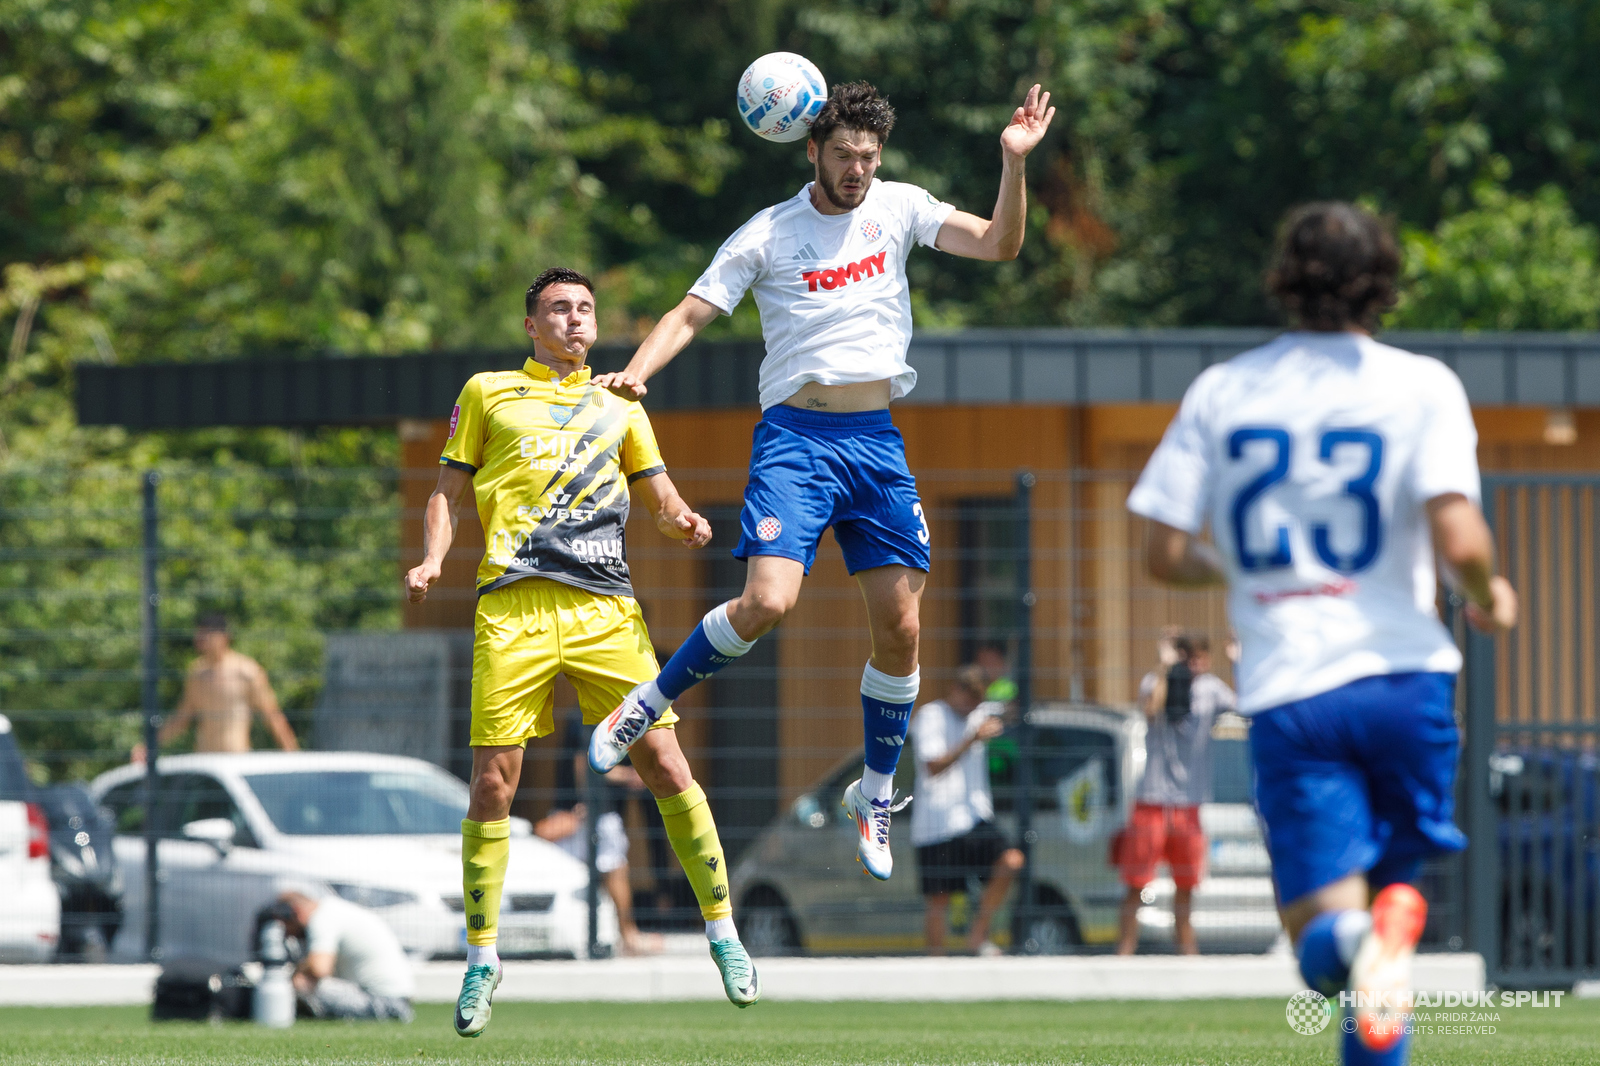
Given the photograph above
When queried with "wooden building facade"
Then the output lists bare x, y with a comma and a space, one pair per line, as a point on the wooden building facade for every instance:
1081, 410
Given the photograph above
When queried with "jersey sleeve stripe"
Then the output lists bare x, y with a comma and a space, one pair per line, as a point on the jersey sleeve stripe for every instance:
650, 471
457, 464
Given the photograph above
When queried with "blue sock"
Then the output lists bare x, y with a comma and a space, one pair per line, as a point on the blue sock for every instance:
886, 703
1352, 1052
711, 646
1328, 946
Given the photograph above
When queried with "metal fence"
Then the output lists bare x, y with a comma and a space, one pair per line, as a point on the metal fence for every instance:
1532, 775
1040, 575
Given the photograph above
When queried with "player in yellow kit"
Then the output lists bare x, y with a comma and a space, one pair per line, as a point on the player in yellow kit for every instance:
550, 459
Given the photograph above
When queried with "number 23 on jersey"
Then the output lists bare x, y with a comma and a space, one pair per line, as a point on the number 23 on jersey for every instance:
1274, 443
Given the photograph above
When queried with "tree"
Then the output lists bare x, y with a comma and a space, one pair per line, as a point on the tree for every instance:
192, 179
1512, 262
1186, 129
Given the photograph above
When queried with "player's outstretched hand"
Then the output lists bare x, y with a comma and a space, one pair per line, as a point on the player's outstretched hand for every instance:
1501, 614
622, 384
419, 579
1028, 124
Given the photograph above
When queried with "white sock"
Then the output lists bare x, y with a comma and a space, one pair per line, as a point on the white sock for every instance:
482, 955
876, 786
721, 929
653, 699
720, 632
1348, 931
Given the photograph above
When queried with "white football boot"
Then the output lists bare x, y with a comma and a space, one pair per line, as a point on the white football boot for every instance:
620, 730
475, 1003
872, 827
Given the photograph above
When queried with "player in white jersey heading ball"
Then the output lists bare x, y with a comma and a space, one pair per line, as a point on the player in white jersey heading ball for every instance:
827, 267
1333, 471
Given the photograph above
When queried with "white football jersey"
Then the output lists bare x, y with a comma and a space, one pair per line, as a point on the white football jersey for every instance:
1312, 459
832, 292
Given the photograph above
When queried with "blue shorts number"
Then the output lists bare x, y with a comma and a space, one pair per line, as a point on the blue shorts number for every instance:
1359, 489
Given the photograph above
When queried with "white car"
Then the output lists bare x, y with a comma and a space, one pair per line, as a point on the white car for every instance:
382, 831
30, 906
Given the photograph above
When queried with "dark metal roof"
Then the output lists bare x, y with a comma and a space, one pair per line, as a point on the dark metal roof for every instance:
1050, 366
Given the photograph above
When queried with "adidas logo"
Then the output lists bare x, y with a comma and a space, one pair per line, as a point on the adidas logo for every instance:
806, 253
897, 742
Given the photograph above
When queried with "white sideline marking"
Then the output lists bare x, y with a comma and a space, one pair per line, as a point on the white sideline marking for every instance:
950, 979
666, 978
78, 986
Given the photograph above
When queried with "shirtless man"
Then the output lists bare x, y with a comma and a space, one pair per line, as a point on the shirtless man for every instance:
222, 689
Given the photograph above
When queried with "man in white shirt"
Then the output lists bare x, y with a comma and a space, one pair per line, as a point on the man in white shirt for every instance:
1333, 471
353, 965
952, 824
828, 269
1181, 701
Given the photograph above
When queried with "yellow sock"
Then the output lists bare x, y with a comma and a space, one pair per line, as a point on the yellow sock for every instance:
693, 833
485, 851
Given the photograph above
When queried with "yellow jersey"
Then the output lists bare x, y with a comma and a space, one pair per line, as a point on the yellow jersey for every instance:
551, 460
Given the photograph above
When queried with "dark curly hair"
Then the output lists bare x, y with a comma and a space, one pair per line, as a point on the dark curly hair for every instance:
553, 276
855, 105
1335, 268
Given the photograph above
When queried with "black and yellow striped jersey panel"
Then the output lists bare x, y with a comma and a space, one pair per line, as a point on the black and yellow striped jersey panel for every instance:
551, 459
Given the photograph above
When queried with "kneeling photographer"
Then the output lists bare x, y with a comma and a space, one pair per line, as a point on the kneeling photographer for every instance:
1181, 700
352, 966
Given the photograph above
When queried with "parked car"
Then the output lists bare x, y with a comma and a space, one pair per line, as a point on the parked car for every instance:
798, 887
30, 915
381, 831
84, 867
1548, 805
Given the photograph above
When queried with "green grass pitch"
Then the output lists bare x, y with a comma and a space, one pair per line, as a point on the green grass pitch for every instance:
1211, 1032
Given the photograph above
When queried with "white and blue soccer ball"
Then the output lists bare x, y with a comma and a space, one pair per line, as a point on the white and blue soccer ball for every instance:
779, 96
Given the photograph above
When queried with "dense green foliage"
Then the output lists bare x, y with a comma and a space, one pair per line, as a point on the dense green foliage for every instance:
1241, 1032
186, 179
197, 178
289, 554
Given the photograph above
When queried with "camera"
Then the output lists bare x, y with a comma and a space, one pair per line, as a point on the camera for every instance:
1180, 680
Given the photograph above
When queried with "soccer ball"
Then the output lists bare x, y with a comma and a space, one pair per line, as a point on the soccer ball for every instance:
780, 94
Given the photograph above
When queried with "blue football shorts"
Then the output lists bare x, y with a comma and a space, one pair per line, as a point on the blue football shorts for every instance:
1358, 780
810, 470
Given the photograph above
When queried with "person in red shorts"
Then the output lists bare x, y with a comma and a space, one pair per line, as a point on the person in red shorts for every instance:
1181, 701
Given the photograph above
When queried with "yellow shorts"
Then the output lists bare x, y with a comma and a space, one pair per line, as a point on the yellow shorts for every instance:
529, 631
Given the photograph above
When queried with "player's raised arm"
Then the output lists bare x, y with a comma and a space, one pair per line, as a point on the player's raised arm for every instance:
1001, 236
438, 531
673, 517
671, 335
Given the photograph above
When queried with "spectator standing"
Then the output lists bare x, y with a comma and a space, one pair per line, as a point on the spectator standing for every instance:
952, 821
353, 965
1181, 701
221, 692
995, 663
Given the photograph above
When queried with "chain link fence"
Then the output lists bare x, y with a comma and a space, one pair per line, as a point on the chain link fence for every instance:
1038, 578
